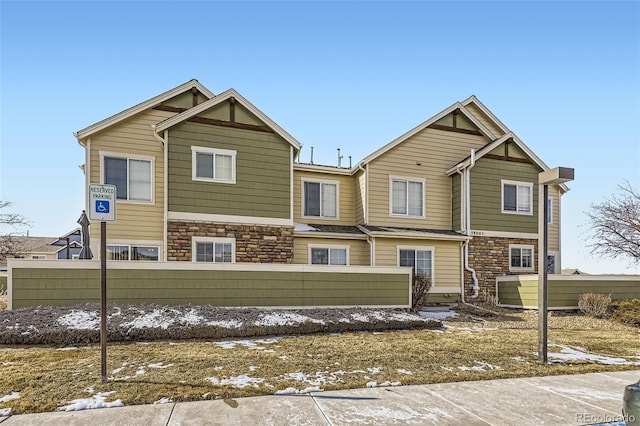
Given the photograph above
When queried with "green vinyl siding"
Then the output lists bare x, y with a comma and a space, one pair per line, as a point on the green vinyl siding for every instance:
486, 196
455, 202
564, 291
263, 173
217, 287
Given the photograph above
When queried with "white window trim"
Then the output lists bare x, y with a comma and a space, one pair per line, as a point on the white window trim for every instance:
408, 179
420, 248
127, 156
550, 218
130, 244
516, 183
204, 150
213, 240
321, 181
533, 257
328, 246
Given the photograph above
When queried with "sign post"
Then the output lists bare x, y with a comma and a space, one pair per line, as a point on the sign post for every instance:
102, 207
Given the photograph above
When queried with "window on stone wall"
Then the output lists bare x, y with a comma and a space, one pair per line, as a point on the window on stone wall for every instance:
215, 250
520, 257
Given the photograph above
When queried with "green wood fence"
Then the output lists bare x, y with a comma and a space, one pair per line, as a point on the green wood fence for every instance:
60, 283
521, 291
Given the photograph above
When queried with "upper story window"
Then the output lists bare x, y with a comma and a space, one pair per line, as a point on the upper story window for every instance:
520, 257
421, 260
517, 197
407, 197
329, 255
213, 165
320, 199
132, 177
549, 210
216, 250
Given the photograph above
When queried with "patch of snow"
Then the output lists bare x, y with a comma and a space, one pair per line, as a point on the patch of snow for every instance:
240, 382
283, 357
377, 332
249, 344
226, 324
80, 320
383, 384
160, 365
5, 412
439, 315
11, 396
404, 316
96, 401
191, 318
284, 318
117, 370
403, 371
155, 319
253, 368
374, 370
294, 391
163, 401
140, 372
568, 353
69, 348
303, 227
360, 317
480, 366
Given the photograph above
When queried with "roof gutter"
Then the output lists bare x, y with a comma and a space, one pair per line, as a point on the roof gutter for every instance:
467, 173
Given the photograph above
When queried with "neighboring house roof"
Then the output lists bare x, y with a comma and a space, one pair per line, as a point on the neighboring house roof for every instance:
81, 135
62, 241
397, 232
573, 271
231, 93
36, 244
456, 106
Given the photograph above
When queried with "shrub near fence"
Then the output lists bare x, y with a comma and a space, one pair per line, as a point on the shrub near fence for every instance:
62, 283
521, 291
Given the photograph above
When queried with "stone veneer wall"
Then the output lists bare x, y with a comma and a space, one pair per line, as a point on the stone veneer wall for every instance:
489, 256
254, 243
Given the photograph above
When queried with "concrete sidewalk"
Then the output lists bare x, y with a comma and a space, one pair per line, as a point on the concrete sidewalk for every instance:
553, 400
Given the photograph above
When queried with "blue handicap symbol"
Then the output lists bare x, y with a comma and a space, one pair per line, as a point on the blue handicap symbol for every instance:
102, 206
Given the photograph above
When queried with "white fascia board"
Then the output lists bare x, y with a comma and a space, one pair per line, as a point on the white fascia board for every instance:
423, 126
101, 125
418, 236
332, 235
231, 93
322, 169
486, 111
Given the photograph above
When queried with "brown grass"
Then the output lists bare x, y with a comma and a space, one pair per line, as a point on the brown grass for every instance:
48, 378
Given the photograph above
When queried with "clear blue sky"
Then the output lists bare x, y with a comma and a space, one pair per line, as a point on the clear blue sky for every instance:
564, 76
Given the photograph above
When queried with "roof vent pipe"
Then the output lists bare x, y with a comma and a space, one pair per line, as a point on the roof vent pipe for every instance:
311, 162
339, 158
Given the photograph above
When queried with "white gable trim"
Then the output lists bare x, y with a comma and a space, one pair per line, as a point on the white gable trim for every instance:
114, 119
423, 126
172, 121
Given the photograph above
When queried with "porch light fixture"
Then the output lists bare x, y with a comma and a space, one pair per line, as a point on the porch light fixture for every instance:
556, 176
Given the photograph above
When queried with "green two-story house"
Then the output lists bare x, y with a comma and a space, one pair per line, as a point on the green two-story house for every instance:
210, 178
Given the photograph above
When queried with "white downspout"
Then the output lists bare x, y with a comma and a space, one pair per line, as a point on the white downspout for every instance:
476, 287
165, 181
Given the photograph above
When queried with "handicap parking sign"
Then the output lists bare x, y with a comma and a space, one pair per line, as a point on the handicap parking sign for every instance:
102, 202
102, 206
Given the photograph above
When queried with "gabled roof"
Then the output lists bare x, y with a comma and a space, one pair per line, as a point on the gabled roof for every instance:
486, 111
172, 121
81, 135
466, 162
457, 106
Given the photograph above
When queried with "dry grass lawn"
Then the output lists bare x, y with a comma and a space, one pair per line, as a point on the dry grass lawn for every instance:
49, 378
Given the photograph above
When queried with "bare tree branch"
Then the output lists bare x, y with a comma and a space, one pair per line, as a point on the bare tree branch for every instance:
10, 246
615, 225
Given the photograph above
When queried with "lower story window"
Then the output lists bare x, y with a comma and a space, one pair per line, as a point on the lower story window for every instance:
216, 250
520, 258
421, 260
329, 255
132, 252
